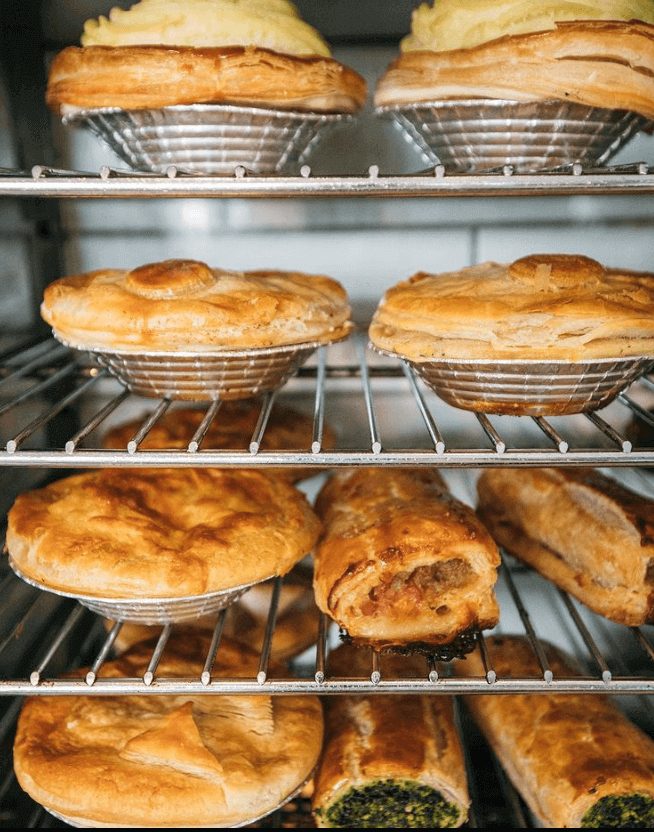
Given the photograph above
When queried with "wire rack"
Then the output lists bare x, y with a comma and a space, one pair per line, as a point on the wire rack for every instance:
116, 183
54, 382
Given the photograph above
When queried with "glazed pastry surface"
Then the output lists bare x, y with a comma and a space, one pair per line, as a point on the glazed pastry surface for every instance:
188, 306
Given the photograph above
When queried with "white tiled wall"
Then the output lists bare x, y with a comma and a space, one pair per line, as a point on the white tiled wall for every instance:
368, 244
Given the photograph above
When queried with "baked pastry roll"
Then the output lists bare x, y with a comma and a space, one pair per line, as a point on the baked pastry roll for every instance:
402, 564
168, 760
233, 428
159, 533
542, 306
577, 761
581, 530
605, 63
388, 761
187, 305
160, 53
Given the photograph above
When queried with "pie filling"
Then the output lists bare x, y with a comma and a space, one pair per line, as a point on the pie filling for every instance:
633, 811
391, 804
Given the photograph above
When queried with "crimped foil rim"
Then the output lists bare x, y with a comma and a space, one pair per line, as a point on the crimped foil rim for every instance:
528, 362
135, 601
167, 355
494, 103
232, 109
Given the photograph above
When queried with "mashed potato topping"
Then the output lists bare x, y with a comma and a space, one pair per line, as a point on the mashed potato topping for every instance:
456, 24
271, 24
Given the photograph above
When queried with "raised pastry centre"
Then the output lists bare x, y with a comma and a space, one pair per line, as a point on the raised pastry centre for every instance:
558, 271
169, 279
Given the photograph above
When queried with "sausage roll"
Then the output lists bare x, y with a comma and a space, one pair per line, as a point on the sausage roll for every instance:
388, 761
577, 761
583, 531
402, 563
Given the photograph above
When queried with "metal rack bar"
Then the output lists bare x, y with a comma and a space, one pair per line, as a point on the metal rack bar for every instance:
122, 184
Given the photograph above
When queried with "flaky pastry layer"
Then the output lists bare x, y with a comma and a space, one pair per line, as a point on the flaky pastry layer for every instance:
150, 77
168, 761
401, 561
185, 305
585, 532
541, 307
600, 63
166, 533
563, 752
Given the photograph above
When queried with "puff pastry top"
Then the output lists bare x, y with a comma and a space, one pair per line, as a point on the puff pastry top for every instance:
599, 63
563, 307
165, 533
168, 761
186, 305
150, 77
161, 53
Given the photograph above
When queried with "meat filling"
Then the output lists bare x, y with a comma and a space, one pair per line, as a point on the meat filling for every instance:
423, 588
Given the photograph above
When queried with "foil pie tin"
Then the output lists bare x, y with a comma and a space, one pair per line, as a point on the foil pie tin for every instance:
466, 136
529, 388
205, 376
209, 138
149, 610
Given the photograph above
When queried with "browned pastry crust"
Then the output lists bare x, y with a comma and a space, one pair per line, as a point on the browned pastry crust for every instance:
296, 623
166, 533
600, 63
542, 306
402, 563
186, 305
168, 761
563, 752
583, 531
287, 429
149, 77
373, 739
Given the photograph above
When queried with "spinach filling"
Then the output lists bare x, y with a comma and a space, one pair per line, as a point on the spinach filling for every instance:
631, 811
391, 803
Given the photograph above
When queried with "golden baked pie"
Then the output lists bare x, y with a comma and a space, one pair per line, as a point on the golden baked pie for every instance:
162, 53
599, 54
583, 531
287, 429
576, 759
542, 306
168, 760
389, 761
402, 564
184, 305
159, 533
